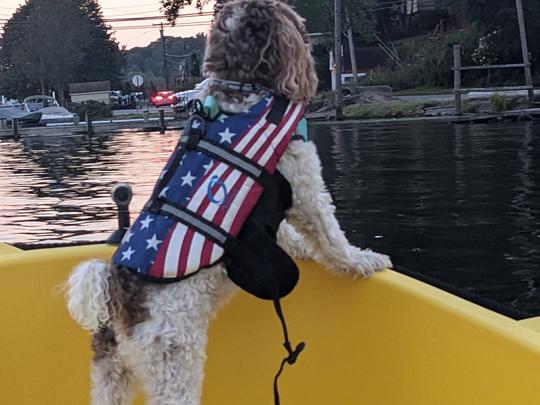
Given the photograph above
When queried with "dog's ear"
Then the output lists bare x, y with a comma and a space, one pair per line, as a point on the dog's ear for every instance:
264, 42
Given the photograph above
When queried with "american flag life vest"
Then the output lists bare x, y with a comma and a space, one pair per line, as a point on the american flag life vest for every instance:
207, 190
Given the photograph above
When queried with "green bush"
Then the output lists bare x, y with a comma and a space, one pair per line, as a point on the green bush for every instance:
95, 109
428, 63
498, 103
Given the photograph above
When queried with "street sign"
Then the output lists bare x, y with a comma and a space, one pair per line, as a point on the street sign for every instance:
137, 80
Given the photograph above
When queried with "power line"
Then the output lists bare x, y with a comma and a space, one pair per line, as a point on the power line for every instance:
130, 6
135, 19
127, 14
139, 27
137, 36
182, 56
155, 17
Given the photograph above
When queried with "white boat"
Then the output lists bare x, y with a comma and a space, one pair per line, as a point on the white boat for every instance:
50, 110
9, 112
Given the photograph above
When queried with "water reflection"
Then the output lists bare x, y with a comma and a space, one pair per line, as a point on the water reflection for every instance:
57, 189
459, 203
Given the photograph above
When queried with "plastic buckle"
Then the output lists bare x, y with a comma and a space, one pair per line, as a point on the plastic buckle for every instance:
293, 354
195, 130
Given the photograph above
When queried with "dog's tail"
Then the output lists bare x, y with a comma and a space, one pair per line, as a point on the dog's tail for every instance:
88, 294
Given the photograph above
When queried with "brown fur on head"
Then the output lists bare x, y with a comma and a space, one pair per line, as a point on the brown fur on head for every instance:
262, 42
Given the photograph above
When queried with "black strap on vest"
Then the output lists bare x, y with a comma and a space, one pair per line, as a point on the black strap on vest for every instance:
278, 110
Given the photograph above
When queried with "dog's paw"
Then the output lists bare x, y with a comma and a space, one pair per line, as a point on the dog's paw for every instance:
364, 263
368, 262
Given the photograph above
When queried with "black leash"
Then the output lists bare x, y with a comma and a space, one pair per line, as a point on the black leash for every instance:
292, 354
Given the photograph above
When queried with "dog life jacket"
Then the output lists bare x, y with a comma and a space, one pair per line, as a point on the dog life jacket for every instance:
207, 207
207, 190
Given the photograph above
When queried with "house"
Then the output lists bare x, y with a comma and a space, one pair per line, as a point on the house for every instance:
96, 91
416, 6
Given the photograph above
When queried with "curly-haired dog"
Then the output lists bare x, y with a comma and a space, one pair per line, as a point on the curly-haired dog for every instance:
157, 333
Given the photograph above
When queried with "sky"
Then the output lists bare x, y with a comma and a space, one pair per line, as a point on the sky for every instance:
135, 33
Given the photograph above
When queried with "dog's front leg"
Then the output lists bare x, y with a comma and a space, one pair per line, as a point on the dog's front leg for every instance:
312, 214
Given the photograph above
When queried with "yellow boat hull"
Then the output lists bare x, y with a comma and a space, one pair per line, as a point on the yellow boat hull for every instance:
389, 340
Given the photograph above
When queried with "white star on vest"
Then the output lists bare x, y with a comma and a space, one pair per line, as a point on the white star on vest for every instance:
226, 136
207, 167
188, 179
127, 254
145, 223
127, 237
153, 243
164, 192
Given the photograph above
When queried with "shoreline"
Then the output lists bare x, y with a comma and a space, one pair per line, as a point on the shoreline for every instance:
314, 119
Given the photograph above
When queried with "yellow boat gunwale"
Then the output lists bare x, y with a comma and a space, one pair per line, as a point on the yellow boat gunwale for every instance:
386, 340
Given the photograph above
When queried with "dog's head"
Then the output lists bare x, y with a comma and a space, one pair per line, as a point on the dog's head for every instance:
262, 42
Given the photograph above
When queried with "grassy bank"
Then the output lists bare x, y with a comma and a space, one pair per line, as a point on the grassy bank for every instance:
423, 91
389, 109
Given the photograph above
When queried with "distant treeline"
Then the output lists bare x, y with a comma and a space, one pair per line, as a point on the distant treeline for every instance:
184, 60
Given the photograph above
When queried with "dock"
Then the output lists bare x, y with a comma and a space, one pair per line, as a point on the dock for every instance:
528, 114
96, 127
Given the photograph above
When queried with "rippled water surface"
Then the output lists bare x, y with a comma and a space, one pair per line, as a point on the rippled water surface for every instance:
459, 203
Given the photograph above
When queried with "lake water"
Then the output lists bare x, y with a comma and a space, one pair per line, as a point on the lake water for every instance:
455, 202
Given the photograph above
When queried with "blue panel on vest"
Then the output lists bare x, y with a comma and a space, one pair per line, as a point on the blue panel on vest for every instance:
142, 242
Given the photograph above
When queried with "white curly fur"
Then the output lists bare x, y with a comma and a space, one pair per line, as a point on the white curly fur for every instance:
166, 352
312, 215
87, 294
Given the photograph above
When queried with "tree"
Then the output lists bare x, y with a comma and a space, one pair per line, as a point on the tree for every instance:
318, 13
172, 8
39, 50
147, 61
498, 18
101, 46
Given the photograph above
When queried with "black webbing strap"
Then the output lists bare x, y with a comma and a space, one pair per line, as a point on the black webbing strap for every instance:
191, 219
278, 110
230, 157
194, 131
239, 86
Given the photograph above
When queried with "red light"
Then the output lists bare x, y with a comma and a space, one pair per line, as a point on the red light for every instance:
158, 98
170, 97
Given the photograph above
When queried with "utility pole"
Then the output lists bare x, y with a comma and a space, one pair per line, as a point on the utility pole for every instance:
338, 60
165, 68
352, 52
525, 50
352, 49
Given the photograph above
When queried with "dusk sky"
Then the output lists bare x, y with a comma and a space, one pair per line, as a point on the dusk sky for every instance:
136, 33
